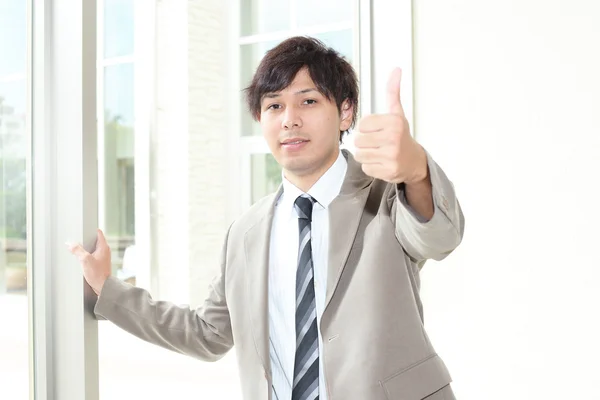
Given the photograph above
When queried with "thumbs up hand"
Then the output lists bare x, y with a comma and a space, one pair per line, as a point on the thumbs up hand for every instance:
384, 145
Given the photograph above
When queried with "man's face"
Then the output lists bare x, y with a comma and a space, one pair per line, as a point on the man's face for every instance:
302, 127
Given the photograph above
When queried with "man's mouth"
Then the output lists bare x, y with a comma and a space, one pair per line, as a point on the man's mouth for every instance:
295, 142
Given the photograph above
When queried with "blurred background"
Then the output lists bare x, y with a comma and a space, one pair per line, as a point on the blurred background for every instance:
504, 95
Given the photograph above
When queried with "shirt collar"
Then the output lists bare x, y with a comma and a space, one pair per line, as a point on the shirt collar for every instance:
324, 191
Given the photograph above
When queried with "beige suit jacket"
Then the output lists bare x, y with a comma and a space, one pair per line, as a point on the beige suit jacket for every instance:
374, 343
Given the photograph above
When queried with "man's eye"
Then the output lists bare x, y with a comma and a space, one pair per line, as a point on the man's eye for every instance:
274, 107
310, 101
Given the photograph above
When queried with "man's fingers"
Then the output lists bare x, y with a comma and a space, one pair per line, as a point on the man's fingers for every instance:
102, 249
393, 92
101, 244
374, 140
78, 250
374, 170
377, 122
368, 156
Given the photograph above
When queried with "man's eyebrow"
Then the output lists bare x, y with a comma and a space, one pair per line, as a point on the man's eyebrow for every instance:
276, 94
306, 91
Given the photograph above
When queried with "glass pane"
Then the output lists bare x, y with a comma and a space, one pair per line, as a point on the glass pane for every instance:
13, 32
266, 175
329, 12
250, 56
169, 221
341, 41
118, 28
119, 196
14, 334
261, 16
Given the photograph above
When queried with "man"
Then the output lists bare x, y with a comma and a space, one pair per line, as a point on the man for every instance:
319, 282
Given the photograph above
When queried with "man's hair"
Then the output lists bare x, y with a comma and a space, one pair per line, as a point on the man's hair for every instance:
333, 76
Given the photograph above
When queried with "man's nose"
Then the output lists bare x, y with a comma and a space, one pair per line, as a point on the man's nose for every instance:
291, 119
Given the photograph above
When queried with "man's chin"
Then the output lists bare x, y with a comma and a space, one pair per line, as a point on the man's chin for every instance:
300, 167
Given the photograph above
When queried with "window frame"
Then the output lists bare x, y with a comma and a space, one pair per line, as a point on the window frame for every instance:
63, 200
142, 60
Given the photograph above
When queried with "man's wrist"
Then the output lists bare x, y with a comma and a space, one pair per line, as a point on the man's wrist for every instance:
420, 176
99, 286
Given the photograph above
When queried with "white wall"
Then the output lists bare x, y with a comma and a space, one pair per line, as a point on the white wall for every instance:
208, 151
190, 151
170, 159
507, 99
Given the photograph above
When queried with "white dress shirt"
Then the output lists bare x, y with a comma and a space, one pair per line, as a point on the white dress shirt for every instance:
283, 259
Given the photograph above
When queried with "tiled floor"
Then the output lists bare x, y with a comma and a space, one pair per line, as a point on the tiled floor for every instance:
129, 368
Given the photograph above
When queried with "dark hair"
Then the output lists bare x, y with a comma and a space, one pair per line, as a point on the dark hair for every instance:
333, 76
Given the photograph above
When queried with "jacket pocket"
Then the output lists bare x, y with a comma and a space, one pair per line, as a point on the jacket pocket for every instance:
417, 381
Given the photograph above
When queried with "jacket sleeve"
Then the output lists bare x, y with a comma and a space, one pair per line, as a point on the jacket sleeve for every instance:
204, 333
434, 239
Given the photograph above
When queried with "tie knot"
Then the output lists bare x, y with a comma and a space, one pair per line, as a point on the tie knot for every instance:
304, 206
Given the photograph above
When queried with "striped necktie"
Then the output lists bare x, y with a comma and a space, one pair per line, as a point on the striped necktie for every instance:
306, 365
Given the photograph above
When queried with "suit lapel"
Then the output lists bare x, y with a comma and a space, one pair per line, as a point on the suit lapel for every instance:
345, 213
344, 218
256, 247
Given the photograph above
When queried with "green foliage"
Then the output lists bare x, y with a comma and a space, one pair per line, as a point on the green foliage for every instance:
13, 205
273, 171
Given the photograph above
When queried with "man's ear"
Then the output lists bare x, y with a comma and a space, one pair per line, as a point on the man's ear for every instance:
346, 115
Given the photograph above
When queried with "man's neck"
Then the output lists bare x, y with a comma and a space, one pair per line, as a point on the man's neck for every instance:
305, 182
